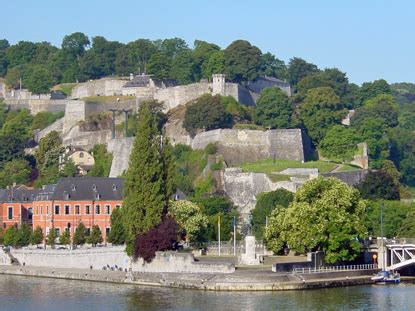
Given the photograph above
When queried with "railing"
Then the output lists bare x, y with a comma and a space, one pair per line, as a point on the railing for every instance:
334, 269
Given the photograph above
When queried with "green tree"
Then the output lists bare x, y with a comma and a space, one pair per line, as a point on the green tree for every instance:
75, 43
21, 53
43, 119
172, 47
103, 161
320, 110
159, 65
372, 89
379, 185
190, 219
242, 61
15, 171
201, 53
13, 77
266, 203
65, 238
22, 236
37, 236
51, 237
79, 237
38, 79
339, 143
184, 68
4, 63
69, 169
117, 232
148, 183
96, 236
8, 237
273, 109
273, 67
207, 113
298, 69
215, 65
326, 215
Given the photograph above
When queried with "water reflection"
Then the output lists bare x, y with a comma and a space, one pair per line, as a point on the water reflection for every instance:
24, 293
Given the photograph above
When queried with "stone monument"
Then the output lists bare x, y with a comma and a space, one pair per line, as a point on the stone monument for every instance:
249, 257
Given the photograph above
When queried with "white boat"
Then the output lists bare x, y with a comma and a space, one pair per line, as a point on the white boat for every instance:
384, 277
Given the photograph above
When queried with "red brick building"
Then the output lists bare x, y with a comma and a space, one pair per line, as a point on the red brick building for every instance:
16, 206
73, 200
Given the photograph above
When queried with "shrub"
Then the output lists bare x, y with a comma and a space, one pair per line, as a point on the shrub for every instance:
8, 238
95, 236
211, 149
65, 238
79, 237
37, 236
22, 236
51, 237
161, 238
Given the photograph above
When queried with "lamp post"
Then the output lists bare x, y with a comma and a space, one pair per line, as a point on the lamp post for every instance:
381, 234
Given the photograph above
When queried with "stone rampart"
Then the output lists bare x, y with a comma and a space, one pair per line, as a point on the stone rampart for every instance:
250, 145
38, 105
121, 149
243, 188
102, 87
86, 140
94, 107
115, 257
180, 95
74, 112
56, 126
350, 177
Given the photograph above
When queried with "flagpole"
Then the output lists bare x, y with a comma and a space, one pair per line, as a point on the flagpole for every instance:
219, 233
234, 236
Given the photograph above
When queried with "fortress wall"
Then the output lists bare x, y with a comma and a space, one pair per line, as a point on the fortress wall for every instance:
102, 87
38, 105
180, 95
251, 145
86, 140
74, 112
351, 178
93, 107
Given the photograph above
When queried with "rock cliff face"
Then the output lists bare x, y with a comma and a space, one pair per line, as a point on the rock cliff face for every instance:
121, 150
243, 188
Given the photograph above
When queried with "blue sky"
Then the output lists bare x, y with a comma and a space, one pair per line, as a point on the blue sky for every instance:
368, 39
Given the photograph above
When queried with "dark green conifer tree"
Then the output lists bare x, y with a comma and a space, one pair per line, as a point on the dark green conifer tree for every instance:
148, 183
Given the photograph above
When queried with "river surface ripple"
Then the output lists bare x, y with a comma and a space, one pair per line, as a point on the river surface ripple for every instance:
29, 293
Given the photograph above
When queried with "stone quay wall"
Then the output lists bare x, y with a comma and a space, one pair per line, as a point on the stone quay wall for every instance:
114, 257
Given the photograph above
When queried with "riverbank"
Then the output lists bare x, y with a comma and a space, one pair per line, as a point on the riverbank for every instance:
243, 279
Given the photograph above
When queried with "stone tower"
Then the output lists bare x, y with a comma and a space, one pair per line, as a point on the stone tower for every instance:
218, 84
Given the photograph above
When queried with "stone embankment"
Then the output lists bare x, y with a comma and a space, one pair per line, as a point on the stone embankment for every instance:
241, 280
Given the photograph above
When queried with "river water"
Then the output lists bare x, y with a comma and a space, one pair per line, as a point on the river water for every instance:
28, 293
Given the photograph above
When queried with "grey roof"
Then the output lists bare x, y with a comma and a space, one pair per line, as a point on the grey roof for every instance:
89, 188
138, 81
18, 195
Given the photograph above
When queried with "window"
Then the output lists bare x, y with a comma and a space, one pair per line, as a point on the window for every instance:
107, 231
97, 209
47, 209
81, 155
77, 209
41, 210
67, 230
29, 213
97, 196
67, 209
108, 209
87, 209
114, 188
57, 209
58, 231
117, 206
73, 187
10, 213
88, 231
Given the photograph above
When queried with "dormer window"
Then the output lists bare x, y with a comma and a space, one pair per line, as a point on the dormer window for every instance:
97, 196
94, 187
66, 195
114, 188
73, 187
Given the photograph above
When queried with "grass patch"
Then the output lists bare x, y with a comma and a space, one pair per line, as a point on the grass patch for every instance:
105, 99
66, 88
269, 167
279, 177
348, 167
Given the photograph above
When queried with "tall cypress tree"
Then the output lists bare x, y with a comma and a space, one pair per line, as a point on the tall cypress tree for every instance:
148, 181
